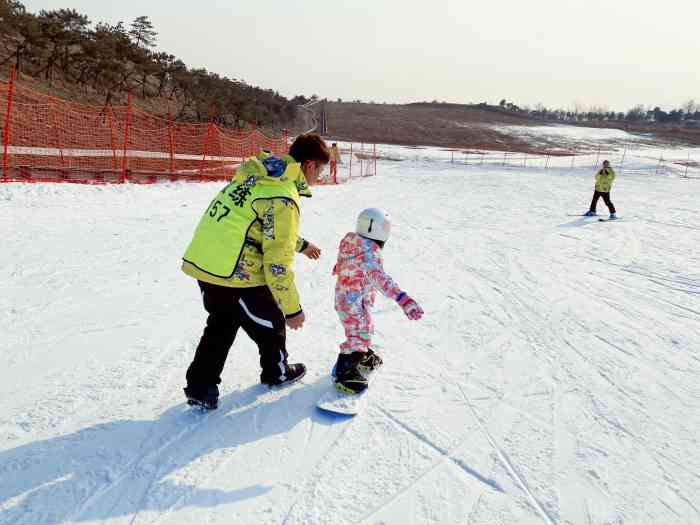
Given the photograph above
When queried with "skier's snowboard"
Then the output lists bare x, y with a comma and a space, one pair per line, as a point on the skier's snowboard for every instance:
341, 403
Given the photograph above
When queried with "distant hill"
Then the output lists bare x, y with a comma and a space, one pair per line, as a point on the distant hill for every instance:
450, 125
464, 125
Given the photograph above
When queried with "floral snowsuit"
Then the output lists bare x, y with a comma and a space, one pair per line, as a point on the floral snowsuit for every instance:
360, 272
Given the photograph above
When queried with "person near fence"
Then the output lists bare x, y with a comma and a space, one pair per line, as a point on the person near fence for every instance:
242, 255
360, 272
334, 160
603, 185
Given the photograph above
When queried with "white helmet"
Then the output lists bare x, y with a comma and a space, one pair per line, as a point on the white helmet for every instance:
374, 223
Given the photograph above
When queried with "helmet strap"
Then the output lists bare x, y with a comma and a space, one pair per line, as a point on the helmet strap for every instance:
378, 243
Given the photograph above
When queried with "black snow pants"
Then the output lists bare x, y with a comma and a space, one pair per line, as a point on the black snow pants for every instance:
253, 309
606, 198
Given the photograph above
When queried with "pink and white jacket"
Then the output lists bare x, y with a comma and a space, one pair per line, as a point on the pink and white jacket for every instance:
360, 272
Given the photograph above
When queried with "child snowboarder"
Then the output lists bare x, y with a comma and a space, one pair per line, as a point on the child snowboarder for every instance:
360, 272
603, 184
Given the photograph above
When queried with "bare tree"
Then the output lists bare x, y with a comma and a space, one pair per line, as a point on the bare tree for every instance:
690, 106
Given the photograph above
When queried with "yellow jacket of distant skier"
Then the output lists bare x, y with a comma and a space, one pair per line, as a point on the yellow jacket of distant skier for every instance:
250, 231
604, 180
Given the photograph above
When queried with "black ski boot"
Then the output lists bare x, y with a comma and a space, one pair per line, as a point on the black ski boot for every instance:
348, 378
292, 374
206, 398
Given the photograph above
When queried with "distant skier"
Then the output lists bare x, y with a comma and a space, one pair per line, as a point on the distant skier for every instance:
603, 184
360, 272
334, 160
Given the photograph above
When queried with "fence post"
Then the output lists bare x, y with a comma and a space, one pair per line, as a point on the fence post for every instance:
255, 147
686, 167
350, 172
573, 157
362, 149
57, 130
546, 162
286, 140
6, 137
525, 161
171, 140
505, 153
658, 167
452, 157
127, 124
110, 116
374, 151
597, 159
210, 129
622, 161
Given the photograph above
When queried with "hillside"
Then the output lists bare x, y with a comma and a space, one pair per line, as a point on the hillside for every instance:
157, 106
62, 53
464, 126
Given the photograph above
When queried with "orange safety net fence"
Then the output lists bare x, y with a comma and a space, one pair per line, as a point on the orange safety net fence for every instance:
49, 139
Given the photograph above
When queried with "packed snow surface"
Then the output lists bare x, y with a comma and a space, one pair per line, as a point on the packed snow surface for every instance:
555, 377
572, 132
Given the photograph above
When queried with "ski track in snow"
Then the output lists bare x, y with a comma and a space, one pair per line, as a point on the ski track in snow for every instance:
553, 379
508, 464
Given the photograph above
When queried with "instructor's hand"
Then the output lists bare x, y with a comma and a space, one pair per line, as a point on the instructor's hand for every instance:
312, 251
297, 321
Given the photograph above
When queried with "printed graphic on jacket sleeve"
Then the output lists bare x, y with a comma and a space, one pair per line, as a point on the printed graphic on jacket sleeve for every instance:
278, 269
269, 224
241, 274
301, 185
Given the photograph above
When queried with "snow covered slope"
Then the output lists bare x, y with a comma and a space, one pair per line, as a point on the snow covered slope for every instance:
555, 378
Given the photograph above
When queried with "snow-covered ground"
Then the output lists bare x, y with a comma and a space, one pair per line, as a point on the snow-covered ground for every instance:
555, 378
577, 137
565, 131
630, 151
582, 138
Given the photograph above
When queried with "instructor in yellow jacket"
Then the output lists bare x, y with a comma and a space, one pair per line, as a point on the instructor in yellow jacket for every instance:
603, 184
242, 254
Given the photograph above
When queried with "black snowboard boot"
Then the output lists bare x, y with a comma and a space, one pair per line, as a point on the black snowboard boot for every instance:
293, 374
369, 362
205, 397
348, 378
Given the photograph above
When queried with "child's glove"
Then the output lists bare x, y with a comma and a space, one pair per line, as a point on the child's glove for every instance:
410, 307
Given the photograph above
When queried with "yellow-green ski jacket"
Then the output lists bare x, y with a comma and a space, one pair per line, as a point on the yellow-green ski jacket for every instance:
604, 180
249, 233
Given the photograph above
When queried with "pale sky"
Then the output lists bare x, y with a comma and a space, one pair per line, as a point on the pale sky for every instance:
614, 53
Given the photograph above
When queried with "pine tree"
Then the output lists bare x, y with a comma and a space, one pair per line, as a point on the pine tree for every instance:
142, 33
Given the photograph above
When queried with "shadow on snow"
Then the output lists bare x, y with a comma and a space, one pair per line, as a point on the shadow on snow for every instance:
121, 468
